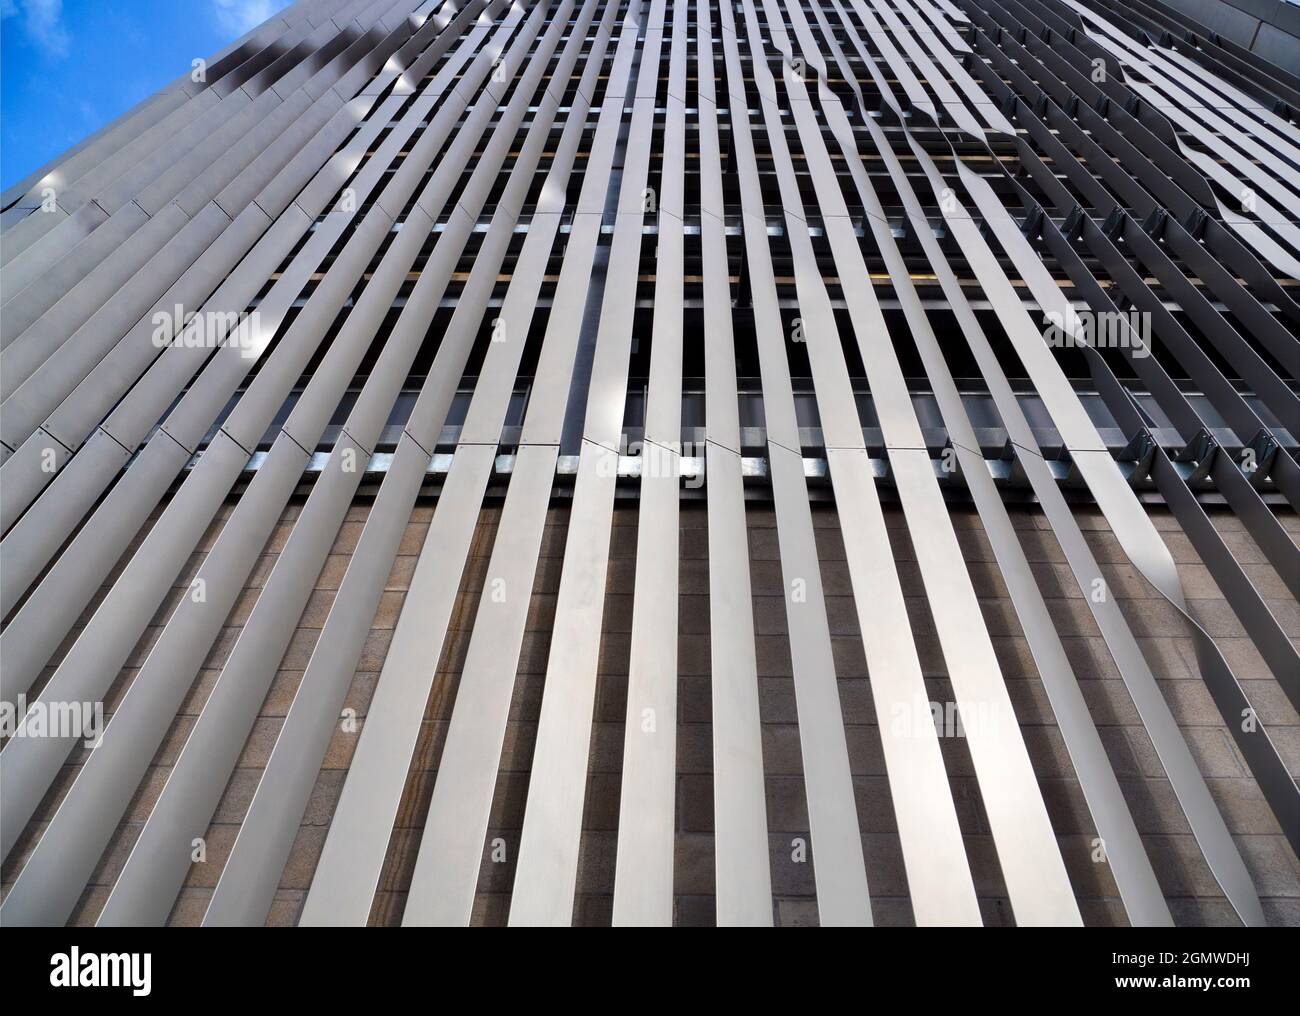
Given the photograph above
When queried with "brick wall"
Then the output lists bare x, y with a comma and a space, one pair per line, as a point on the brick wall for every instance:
1194, 897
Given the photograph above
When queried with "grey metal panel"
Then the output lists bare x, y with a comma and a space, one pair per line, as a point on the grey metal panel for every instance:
153, 874
168, 372
1032, 867
446, 869
28, 295
142, 174
354, 857
23, 475
839, 867
37, 536
204, 286
951, 899
113, 298
51, 881
146, 888
130, 125
251, 874
29, 642
742, 873
1082, 438
548, 850
53, 245
325, 53
1137, 883
336, 653
643, 875
88, 669
446, 872
61, 168
239, 288
350, 862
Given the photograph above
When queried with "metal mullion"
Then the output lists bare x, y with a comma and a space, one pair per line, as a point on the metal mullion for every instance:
85, 673
49, 612
342, 898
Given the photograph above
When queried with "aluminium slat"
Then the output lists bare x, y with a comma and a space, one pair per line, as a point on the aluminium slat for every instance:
1131, 526
276, 194
251, 874
350, 864
112, 777
643, 873
1133, 668
96, 395
1263, 525
546, 868
975, 96
1242, 100
1279, 788
1152, 56
1139, 890
1125, 854
1136, 531
927, 820
178, 654
447, 865
202, 171
1032, 867
1134, 876
104, 308
29, 295
1054, 52
87, 187
50, 609
29, 764
1198, 255
153, 875
136, 120
937, 80
42, 622
1120, 159
839, 865
51, 882
742, 872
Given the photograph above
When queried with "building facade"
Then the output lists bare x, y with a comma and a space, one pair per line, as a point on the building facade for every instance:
647, 462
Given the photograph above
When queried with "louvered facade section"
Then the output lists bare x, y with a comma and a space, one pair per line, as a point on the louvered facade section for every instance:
645, 462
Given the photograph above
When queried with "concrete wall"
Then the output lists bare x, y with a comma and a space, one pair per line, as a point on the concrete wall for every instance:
1192, 892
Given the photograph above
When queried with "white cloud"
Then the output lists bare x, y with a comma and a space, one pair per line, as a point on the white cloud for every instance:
238, 16
42, 23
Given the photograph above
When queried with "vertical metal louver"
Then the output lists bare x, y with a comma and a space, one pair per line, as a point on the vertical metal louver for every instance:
516, 301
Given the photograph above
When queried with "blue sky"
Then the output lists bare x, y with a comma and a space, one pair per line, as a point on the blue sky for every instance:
67, 67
